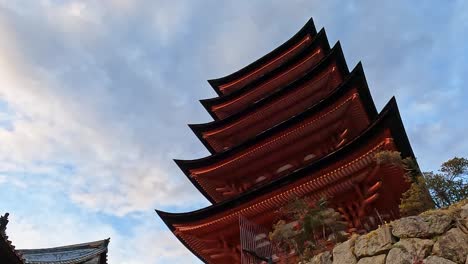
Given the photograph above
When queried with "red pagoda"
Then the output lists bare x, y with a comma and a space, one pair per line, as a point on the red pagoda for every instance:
295, 123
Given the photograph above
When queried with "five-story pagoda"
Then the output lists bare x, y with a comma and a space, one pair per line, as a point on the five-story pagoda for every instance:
294, 123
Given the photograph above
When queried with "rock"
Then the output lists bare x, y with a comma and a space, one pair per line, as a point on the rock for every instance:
399, 256
453, 245
374, 243
464, 211
416, 247
463, 225
322, 258
421, 226
343, 252
380, 259
437, 260
463, 220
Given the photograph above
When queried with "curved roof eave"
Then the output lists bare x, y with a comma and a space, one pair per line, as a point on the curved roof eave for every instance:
308, 28
319, 40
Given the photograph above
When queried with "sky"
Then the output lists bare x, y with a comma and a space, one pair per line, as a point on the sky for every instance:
95, 98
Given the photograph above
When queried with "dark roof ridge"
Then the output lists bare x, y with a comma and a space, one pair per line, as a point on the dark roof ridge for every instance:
103, 242
308, 28
319, 40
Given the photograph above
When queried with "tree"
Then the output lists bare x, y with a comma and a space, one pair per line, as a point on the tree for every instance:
306, 228
450, 184
417, 198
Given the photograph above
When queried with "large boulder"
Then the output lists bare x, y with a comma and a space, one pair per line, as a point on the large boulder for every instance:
379, 259
416, 247
453, 245
374, 243
322, 258
437, 260
422, 226
343, 252
462, 221
464, 211
399, 256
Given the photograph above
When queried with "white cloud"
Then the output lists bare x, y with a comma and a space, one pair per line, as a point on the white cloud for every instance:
54, 127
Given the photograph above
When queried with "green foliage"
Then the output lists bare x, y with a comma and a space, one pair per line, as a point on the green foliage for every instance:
450, 184
446, 187
417, 198
389, 157
307, 228
394, 158
455, 168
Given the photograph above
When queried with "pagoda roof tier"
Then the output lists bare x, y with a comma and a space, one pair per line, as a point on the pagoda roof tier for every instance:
226, 105
91, 252
306, 137
267, 63
289, 101
8, 254
212, 233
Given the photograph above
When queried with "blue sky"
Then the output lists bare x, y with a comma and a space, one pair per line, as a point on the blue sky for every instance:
95, 97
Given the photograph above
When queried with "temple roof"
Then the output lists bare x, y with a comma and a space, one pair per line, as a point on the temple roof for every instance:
86, 253
355, 80
319, 48
334, 57
307, 29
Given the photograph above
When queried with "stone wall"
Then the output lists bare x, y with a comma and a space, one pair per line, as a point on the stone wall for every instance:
434, 237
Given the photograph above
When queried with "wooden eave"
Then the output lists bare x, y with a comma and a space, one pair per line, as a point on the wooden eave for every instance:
355, 79
307, 29
335, 56
320, 40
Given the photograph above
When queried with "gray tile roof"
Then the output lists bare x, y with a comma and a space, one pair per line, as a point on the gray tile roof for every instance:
86, 253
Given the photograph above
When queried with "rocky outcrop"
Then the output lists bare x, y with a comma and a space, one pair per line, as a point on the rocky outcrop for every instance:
374, 243
343, 253
422, 226
452, 245
437, 260
435, 237
379, 259
322, 258
420, 248
399, 256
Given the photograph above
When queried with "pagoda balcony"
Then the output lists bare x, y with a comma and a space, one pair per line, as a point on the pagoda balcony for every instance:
289, 101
